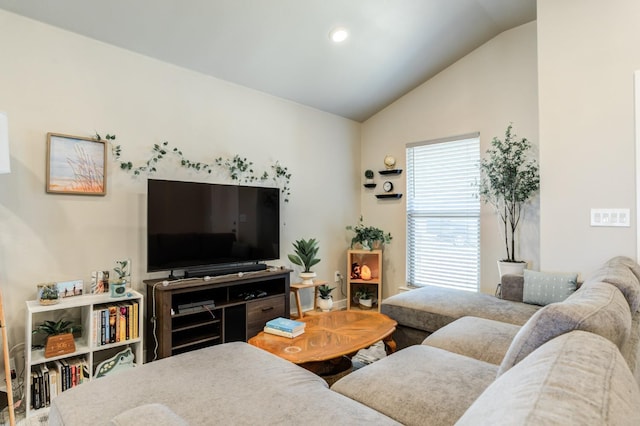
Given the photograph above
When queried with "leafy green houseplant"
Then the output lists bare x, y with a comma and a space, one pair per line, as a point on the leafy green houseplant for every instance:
48, 294
59, 336
54, 328
305, 255
365, 296
325, 291
325, 302
368, 236
509, 178
368, 175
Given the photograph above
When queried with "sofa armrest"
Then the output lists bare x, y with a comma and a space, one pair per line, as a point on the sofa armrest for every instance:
512, 287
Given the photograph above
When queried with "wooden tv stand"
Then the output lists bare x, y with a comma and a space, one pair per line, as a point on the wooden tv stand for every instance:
190, 314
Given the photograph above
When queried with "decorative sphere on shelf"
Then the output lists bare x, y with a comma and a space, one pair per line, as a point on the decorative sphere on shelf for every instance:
389, 162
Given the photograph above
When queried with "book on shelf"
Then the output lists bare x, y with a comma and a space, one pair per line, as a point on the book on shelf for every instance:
115, 323
285, 324
277, 332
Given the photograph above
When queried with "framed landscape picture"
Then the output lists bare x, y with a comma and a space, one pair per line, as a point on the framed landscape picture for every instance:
76, 165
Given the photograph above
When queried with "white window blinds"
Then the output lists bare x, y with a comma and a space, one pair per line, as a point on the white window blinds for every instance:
443, 213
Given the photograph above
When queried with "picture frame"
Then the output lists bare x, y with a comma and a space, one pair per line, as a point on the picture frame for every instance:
76, 165
70, 288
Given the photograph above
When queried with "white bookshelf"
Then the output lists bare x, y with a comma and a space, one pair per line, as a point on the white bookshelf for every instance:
80, 309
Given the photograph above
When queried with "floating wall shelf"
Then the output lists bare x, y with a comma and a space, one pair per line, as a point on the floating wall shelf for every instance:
370, 185
390, 172
388, 195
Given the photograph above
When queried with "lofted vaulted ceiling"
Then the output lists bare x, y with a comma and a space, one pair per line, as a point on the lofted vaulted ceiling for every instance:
282, 47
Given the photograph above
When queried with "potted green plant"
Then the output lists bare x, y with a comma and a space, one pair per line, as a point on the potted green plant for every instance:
305, 255
123, 271
365, 297
368, 176
509, 178
325, 300
59, 334
48, 294
369, 237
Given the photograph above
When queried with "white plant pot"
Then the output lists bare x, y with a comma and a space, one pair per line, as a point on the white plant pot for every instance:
366, 303
511, 268
325, 305
307, 277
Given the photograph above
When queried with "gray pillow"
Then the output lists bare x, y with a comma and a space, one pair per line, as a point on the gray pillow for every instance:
542, 288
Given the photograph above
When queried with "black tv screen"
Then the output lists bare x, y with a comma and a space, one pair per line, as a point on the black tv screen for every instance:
195, 225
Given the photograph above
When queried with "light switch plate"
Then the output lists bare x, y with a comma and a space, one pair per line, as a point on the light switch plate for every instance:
610, 217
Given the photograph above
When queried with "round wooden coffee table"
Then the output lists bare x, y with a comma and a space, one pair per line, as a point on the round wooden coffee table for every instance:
328, 337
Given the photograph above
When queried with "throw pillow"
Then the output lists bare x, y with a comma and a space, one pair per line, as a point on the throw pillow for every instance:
542, 288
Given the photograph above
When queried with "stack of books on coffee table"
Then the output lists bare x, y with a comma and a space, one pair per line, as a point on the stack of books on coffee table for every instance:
284, 327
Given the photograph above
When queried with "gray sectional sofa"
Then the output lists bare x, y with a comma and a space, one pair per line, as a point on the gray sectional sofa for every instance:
475, 360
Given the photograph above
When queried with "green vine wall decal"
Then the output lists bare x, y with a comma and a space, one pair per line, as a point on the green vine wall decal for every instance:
238, 168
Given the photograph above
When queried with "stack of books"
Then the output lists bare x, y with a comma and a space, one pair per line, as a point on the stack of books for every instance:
284, 327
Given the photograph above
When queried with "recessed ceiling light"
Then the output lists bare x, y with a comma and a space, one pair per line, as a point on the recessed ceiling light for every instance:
338, 35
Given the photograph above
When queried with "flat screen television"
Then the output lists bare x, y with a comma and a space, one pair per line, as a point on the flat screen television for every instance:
195, 226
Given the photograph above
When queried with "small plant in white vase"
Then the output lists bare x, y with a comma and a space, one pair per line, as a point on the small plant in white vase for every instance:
365, 297
305, 256
325, 300
368, 176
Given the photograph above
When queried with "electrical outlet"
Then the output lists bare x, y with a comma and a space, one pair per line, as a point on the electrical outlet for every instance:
336, 277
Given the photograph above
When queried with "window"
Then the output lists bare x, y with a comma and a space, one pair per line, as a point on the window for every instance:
443, 213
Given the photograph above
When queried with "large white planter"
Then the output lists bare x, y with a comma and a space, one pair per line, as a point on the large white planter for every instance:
307, 277
366, 303
325, 305
511, 268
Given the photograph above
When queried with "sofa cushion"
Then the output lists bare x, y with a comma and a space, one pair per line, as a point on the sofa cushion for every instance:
597, 307
148, 415
479, 338
418, 385
618, 273
542, 288
575, 379
233, 383
430, 308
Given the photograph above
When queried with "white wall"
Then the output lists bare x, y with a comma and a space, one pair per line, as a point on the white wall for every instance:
483, 92
55, 81
587, 54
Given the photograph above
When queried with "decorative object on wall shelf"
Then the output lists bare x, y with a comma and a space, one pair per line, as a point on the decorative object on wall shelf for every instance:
382, 196
238, 168
389, 162
387, 186
390, 172
76, 165
368, 176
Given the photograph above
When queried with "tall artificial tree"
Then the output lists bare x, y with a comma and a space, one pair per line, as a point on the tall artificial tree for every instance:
509, 179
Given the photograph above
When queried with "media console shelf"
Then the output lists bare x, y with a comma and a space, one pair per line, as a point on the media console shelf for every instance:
194, 313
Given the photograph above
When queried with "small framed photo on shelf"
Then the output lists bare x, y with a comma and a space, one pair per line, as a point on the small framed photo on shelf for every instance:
99, 282
76, 165
70, 288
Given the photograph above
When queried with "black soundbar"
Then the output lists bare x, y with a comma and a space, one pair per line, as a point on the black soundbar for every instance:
213, 271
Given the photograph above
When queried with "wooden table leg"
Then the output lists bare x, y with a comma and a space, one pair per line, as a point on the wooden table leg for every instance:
315, 298
298, 304
389, 344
